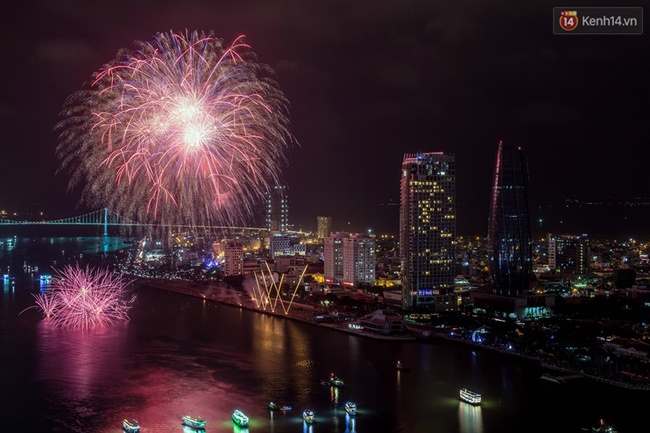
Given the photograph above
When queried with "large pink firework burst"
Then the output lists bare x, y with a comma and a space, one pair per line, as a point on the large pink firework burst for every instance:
181, 131
87, 298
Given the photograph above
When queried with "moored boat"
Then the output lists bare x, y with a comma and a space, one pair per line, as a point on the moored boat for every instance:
351, 408
308, 416
551, 378
333, 381
239, 418
470, 397
130, 425
283, 407
400, 366
193, 421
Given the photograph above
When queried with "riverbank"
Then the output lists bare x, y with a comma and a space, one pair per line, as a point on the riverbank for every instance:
224, 295
306, 314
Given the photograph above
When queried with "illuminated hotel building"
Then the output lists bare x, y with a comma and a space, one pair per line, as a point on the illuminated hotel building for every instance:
333, 257
324, 226
277, 210
568, 254
359, 260
509, 225
428, 231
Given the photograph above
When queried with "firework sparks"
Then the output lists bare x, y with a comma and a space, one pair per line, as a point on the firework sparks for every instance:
181, 131
84, 299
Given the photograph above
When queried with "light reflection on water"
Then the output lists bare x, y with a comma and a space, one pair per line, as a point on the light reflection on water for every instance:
470, 418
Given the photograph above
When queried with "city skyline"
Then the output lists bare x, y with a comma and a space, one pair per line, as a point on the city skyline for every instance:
367, 83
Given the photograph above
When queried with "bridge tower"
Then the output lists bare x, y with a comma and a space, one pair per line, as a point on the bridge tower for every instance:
105, 221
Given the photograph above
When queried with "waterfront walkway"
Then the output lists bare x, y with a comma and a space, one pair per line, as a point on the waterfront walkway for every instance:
225, 295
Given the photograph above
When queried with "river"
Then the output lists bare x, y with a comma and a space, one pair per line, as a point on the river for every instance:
181, 355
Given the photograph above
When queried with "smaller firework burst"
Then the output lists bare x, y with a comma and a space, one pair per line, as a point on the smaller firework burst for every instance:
84, 298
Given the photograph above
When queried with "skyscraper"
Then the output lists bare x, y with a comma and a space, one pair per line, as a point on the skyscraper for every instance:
333, 257
428, 231
509, 225
359, 259
324, 226
277, 210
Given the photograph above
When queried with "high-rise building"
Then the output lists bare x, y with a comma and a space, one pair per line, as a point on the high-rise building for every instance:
324, 226
568, 254
359, 260
285, 245
333, 257
234, 258
428, 231
277, 210
510, 260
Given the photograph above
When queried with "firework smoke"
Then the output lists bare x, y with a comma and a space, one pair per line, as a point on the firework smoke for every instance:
181, 131
84, 299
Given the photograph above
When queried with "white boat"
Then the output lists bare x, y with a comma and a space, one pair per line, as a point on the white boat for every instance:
470, 397
551, 378
130, 425
193, 421
351, 408
308, 416
239, 418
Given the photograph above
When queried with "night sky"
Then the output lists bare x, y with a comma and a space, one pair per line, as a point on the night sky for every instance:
367, 82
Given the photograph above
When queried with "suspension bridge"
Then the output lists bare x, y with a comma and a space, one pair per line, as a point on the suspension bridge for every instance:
106, 218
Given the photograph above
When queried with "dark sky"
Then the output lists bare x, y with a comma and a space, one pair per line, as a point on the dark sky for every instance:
367, 81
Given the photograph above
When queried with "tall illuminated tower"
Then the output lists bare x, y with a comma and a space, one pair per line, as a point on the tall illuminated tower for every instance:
277, 210
428, 231
324, 226
509, 223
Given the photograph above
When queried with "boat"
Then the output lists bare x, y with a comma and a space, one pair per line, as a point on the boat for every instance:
332, 381
283, 407
308, 416
130, 425
551, 378
351, 408
470, 397
604, 428
193, 421
400, 366
239, 418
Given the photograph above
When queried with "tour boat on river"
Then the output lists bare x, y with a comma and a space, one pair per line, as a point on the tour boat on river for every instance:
470, 397
239, 418
194, 422
130, 426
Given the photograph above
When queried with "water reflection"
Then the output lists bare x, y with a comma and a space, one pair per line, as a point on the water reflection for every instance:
307, 427
83, 360
470, 418
350, 424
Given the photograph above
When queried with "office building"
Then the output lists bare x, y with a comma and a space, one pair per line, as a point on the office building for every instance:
510, 245
568, 254
234, 259
277, 210
324, 226
428, 231
333, 257
511, 254
359, 260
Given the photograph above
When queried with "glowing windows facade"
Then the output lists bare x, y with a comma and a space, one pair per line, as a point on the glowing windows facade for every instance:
428, 230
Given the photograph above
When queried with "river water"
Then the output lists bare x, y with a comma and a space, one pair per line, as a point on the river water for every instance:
180, 355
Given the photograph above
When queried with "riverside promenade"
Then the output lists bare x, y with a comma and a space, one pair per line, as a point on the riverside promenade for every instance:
223, 294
